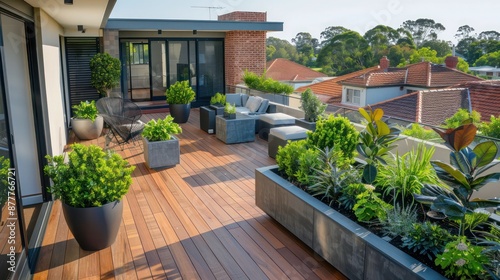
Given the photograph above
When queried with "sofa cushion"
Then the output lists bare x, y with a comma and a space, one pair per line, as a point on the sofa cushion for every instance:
253, 103
263, 106
289, 132
234, 99
277, 119
243, 110
244, 99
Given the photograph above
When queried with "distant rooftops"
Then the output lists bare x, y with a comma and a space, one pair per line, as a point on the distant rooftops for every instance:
281, 69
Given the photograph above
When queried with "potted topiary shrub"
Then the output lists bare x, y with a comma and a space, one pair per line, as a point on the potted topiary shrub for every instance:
161, 147
179, 97
90, 183
229, 111
86, 123
313, 108
105, 72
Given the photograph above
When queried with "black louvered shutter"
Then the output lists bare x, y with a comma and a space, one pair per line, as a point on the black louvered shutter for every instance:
79, 51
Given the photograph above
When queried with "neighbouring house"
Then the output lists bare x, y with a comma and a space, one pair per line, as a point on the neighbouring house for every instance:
292, 73
45, 49
491, 72
434, 106
377, 84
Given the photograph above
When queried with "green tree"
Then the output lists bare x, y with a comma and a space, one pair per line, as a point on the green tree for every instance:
380, 38
489, 35
282, 49
491, 129
423, 54
464, 32
461, 116
307, 47
479, 48
345, 53
489, 59
441, 47
331, 32
399, 54
423, 30
463, 65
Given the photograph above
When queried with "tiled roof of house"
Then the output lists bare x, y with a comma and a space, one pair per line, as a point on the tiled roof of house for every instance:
485, 97
333, 87
422, 74
281, 69
428, 107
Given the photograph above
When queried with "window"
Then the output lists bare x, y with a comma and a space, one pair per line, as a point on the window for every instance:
353, 96
139, 53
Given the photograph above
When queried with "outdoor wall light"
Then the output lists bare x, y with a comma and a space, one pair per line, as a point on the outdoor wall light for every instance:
80, 27
159, 31
195, 32
68, 2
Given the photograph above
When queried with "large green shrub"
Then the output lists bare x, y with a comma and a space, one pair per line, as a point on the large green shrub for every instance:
461, 116
311, 105
105, 72
161, 130
298, 161
218, 99
419, 132
264, 84
91, 177
491, 129
336, 133
85, 110
180, 93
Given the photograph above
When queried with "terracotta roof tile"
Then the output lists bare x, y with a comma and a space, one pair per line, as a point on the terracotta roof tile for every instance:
377, 79
402, 107
333, 87
485, 97
281, 69
442, 76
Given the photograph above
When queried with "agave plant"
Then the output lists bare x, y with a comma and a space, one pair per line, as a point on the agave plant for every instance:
464, 175
375, 142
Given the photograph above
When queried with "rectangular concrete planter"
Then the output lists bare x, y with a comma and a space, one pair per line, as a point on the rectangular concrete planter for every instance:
161, 154
352, 249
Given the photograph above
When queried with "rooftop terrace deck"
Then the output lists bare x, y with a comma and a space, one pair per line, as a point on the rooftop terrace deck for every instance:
197, 220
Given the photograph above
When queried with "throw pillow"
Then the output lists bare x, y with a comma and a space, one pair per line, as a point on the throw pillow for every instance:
253, 103
263, 106
234, 99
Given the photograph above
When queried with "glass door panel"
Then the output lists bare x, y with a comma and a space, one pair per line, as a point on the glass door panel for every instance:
158, 68
138, 70
178, 61
211, 69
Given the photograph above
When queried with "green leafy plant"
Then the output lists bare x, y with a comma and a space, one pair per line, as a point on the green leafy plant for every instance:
229, 109
287, 157
462, 116
427, 239
375, 141
405, 175
311, 105
264, 84
218, 99
462, 260
105, 72
161, 130
491, 243
336, 133
309, 162
328, 182
370, 206
463, 175
85, 110
91, 177
348, 194
491, 129
4, 180
475, 219
180, 93
399, 221
419, 132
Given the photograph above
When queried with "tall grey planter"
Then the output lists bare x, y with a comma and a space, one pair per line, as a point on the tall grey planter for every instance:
86, 129
94, 228
180, 112
352, 249
160, 154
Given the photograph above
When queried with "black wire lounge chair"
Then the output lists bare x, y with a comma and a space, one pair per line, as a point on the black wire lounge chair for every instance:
123, 119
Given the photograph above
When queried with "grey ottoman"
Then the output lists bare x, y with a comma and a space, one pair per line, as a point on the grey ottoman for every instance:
268, 121
279, 136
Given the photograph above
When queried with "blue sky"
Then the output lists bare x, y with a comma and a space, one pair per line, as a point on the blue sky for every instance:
314, 16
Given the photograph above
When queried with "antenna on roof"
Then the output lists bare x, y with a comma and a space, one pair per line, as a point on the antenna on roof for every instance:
210, 8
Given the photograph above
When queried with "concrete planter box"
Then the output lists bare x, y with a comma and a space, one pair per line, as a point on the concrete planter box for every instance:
352, 249
305, 124
276, 98
161, 154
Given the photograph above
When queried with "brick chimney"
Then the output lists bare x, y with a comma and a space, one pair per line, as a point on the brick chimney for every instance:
384, 63
451, 62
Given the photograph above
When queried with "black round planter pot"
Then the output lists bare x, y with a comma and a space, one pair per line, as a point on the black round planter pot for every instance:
180, 112
94, 228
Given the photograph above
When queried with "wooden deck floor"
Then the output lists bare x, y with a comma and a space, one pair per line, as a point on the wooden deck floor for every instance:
197, 220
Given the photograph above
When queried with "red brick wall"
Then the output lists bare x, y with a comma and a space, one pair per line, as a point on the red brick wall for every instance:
244, 16
244, 50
